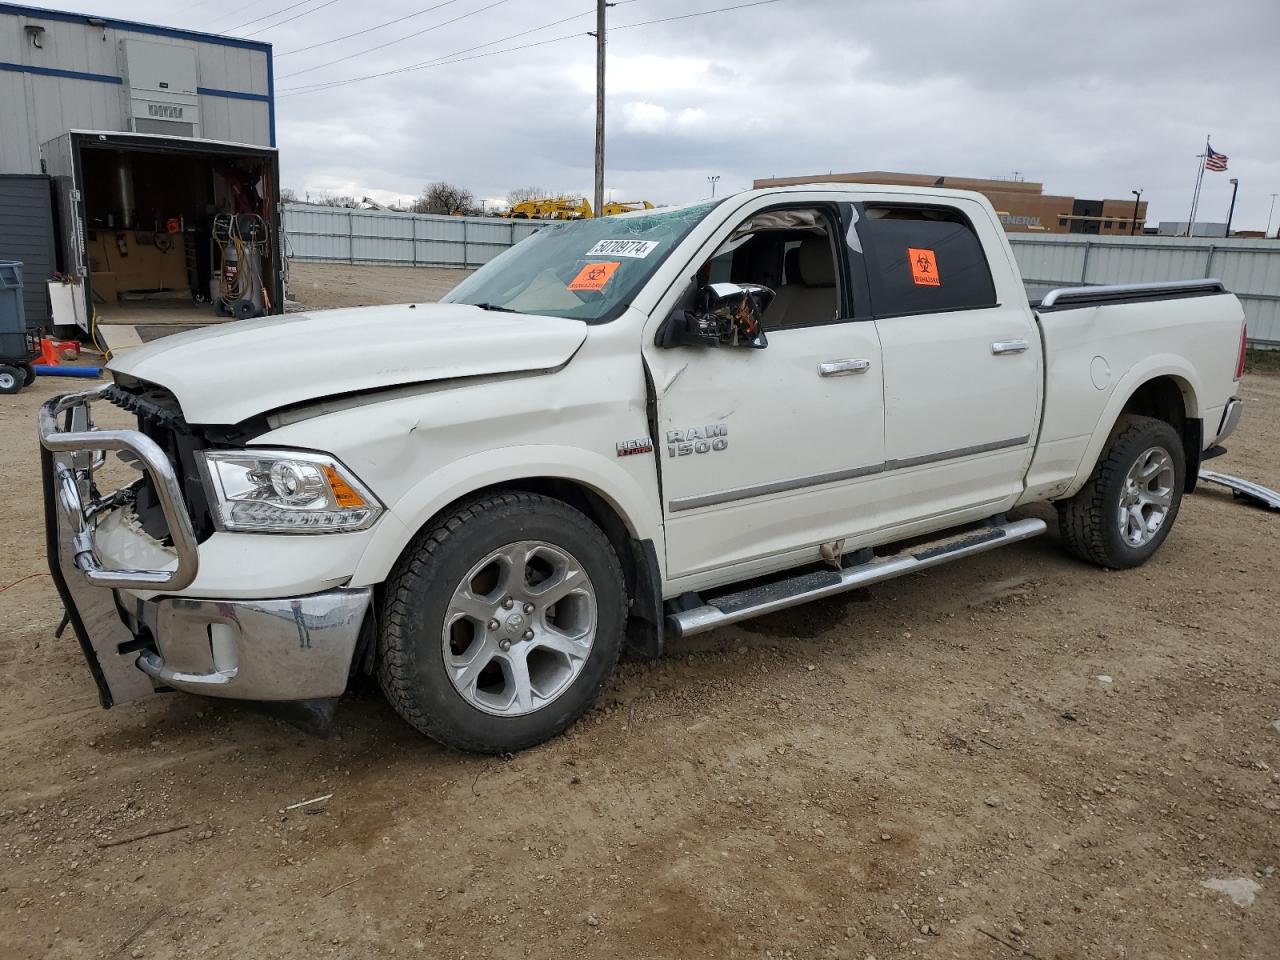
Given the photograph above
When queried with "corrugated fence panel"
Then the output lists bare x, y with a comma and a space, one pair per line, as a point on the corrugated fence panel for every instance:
404, 239
440, 252
1249, 268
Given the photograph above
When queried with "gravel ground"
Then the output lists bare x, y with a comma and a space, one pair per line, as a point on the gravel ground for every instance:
1017, 756
328, 285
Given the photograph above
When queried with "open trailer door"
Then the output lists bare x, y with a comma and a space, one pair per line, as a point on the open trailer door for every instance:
69, 301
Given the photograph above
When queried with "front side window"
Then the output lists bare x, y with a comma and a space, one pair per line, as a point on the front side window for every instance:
923, 260
584, 270
792, 252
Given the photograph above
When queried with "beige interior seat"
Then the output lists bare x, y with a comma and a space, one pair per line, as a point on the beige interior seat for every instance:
809, 297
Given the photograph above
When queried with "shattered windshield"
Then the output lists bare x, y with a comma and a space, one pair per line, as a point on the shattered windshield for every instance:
582, 269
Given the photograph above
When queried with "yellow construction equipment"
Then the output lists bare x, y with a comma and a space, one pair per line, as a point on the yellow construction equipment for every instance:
625, 206
551, 208
570, 208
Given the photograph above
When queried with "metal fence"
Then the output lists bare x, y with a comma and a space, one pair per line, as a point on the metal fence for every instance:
1249, 268
336, 234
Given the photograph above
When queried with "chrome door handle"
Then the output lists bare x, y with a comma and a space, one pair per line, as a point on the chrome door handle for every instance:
842, 368
1008, 346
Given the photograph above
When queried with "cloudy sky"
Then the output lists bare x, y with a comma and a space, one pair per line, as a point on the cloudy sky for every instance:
1092, 97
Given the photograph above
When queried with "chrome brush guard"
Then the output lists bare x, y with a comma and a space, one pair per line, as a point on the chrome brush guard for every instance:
76, 451
72, 450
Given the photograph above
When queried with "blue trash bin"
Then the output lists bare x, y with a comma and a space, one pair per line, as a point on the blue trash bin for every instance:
16, 350
13, 315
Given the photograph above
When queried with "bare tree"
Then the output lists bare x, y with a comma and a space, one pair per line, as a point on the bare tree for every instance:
288, 195
521, 194
327, 199
446, 198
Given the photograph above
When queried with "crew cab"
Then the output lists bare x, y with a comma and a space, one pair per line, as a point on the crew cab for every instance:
618, 432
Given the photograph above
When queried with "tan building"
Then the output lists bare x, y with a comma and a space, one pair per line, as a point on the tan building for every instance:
1022, 205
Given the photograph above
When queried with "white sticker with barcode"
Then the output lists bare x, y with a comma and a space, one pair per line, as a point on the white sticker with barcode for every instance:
623, 248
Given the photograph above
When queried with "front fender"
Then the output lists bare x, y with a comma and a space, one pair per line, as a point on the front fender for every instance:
1144, 371
637, 506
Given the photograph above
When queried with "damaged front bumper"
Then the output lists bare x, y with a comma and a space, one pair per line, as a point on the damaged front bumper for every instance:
135, 634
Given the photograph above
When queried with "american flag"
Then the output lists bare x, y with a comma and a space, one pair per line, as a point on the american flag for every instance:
1213, 160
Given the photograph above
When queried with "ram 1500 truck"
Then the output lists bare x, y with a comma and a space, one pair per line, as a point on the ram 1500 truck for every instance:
618, 432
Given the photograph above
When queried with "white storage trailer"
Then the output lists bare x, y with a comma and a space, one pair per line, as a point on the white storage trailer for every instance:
161, 143
151, 221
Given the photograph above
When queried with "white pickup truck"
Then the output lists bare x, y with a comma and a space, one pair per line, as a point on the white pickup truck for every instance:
618, 432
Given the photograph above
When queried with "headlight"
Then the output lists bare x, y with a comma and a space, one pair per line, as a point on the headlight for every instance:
284, 491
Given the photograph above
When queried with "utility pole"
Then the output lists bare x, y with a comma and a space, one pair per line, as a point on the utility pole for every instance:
1231, 210
1267, 232
713, 180
602, 7
1133, 222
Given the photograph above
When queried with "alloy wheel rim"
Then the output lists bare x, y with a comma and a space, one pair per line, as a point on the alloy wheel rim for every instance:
7, 380
1146, 497
519, 628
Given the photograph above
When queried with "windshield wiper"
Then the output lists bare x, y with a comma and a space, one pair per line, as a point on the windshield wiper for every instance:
495, 307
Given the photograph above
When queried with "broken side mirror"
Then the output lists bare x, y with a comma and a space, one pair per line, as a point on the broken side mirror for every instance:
720, 314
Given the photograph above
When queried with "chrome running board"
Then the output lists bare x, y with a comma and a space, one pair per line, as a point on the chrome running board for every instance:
718, 611
1244, 489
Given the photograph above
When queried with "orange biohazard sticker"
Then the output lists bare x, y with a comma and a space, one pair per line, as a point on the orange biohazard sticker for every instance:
924, 267
594, 275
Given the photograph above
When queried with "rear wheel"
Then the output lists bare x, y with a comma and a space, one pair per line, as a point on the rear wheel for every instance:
28, 374
11, 379
1129, 504
501, 623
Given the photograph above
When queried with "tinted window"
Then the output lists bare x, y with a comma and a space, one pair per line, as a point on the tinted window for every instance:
923, 260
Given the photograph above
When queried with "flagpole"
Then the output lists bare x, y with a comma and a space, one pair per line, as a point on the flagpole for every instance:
1195, 197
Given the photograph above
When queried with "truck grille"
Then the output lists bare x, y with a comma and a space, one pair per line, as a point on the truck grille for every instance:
160, 418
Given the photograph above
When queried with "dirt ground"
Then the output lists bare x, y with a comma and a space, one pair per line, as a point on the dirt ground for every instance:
340, 285
1017, 756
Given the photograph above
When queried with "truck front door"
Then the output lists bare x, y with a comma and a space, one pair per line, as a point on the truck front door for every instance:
962, 358
765, 453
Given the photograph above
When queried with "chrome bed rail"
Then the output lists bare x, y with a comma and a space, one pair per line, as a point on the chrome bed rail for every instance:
1069, 298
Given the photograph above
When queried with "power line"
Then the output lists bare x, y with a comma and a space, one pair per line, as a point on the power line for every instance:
357, 33
265, 16
227, 15
296, 16
389, 43
438, 62
457, 55
700, 13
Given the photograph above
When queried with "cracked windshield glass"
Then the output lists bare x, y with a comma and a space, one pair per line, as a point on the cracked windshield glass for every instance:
584, 269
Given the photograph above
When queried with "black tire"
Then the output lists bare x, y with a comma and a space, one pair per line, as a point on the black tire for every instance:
28, 373
11, 379
411, 658
1089, 521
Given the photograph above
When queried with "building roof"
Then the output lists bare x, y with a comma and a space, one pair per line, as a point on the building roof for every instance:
131, 26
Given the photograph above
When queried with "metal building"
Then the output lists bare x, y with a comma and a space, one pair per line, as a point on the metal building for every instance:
66, 71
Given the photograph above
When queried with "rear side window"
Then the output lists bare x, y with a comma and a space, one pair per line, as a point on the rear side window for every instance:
923, 260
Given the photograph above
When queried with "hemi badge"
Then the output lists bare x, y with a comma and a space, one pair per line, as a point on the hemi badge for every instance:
628, 448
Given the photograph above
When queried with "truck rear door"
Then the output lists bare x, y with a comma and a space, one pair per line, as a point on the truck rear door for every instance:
961, 354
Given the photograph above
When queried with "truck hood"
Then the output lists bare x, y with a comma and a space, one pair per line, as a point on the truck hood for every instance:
227, 373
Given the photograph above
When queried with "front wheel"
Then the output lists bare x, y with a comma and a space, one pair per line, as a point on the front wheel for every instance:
1127, 507
501, 623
